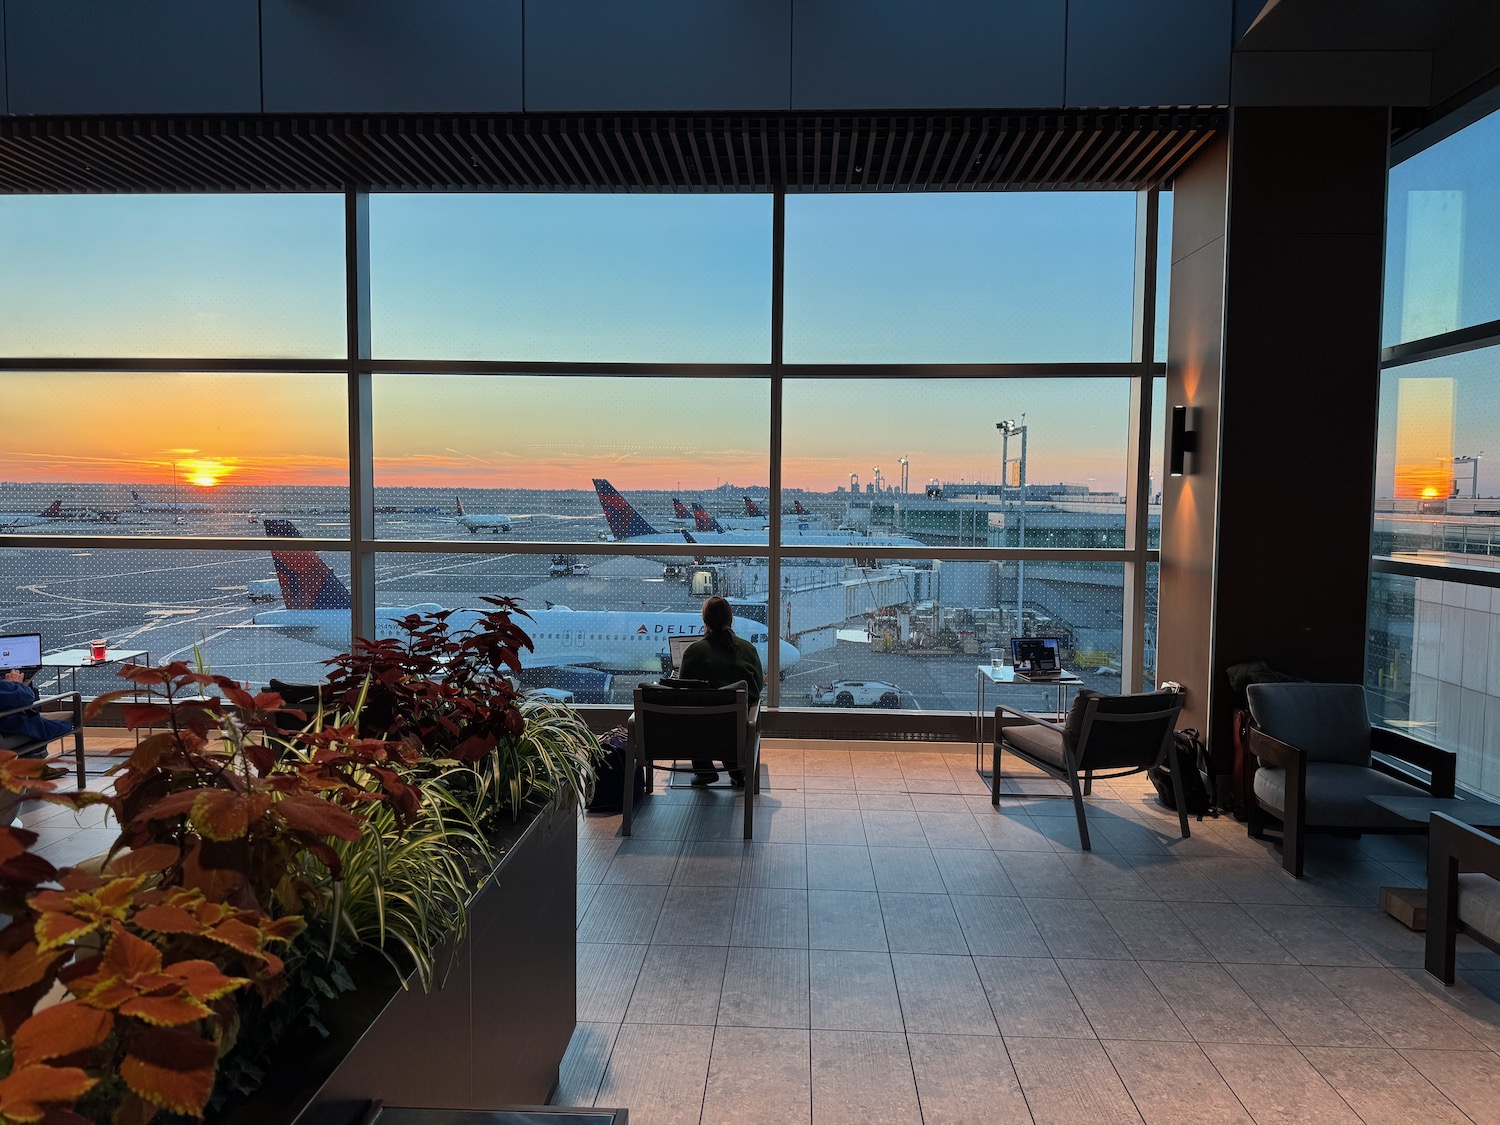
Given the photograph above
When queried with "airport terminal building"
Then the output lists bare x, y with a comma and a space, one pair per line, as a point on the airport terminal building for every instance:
1169, 329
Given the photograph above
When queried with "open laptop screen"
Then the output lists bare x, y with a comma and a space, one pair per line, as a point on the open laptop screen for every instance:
678, 646
22, 650
1036, 654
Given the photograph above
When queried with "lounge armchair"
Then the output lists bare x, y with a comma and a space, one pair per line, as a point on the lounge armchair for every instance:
1463, 891
1121, 734
1318, 769
685, 723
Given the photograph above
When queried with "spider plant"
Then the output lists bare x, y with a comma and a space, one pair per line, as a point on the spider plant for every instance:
554, 756
407, 886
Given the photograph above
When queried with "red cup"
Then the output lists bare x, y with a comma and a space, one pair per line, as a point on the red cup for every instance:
97, 650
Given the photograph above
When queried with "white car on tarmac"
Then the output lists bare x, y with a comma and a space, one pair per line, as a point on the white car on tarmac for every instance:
857, 693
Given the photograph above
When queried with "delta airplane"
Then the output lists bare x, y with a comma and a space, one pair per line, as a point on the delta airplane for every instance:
702, 521
317, 610
476, 522
628, 525
160, 506
50, 514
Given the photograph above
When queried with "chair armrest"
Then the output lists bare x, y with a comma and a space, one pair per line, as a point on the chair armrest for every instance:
1274, 752
1441, 764
1007, 716
73, 699
1473, 849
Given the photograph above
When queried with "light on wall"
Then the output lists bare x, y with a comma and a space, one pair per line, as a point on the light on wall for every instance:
1183, 445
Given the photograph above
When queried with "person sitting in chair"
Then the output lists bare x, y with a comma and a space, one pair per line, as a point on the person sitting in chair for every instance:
16, 693
722, 659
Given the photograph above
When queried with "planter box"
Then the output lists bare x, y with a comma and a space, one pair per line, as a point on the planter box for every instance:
493, 1035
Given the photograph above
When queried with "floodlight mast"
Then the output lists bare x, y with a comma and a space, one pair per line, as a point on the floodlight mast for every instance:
1009, 429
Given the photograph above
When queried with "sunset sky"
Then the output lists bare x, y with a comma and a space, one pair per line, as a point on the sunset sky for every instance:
640, 278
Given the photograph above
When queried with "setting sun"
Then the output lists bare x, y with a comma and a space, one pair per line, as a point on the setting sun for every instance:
205, 473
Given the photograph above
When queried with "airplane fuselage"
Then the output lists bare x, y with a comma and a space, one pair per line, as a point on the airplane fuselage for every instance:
611, 640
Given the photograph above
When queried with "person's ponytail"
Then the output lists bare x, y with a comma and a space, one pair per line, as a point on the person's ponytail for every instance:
718, 620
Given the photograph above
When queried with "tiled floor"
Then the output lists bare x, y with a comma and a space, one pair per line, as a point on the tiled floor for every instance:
890, 949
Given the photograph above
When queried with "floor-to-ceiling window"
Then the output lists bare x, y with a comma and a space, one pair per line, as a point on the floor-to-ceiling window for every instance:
895, 430
1433, 663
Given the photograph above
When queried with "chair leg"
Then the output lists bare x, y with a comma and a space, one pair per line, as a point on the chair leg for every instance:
1174, 759
1442, 916
1291, 844
749, 815
1083, 821
78, 755
627, 802
1088, 783
995, 774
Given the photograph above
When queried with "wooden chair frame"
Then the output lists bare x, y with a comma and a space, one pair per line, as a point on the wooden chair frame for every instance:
1453, 846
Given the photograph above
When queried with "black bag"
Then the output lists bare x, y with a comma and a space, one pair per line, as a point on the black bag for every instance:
1195, 777
609, 781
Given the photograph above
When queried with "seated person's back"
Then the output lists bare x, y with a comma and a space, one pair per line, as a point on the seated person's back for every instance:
721, 659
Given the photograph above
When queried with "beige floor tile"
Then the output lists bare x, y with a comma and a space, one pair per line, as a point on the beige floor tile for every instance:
1070, 1082
1278, 1086
1174, 1085
863, 1076
659, 1072
1382, 1087
966, 1080
758, 1074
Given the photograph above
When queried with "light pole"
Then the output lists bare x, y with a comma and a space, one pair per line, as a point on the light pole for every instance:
1009, 429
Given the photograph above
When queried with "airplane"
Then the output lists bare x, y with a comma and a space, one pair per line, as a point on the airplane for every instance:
702, 521
50, 514
752, 508
159, 506
476, 522
317, 610
628, 525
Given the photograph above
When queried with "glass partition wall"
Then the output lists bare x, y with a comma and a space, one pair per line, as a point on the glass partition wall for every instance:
894, 430
1433, 655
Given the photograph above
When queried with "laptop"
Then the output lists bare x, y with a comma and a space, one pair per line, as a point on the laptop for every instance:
21, 650
678, 646
1037, 658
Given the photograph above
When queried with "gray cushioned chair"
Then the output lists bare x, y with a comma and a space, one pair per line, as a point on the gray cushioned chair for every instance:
1318, 769
1463, 891
686, 723
1104, 735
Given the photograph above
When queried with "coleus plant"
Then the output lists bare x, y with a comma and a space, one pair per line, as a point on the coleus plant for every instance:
222, 833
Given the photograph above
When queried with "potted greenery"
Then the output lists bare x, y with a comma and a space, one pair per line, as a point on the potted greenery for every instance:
255, 862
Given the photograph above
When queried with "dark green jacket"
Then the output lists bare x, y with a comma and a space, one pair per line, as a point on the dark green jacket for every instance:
721, 665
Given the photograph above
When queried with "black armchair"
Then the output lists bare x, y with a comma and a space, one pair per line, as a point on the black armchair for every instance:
1121, 734
685, 723
1463, 891
23, 745
1317, 768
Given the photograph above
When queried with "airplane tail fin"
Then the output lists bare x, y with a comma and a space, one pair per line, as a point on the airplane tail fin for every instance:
136, 496
624, 521
702, 521
53, 510
752, 509
306, 581
680, 510
458, 502
801, 511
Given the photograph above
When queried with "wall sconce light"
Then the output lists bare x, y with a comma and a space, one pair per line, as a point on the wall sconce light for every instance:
1183, 443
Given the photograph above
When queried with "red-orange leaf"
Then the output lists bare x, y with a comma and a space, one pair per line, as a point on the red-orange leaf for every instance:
136, 715
171, 1068
320, 817
20, 774
26, 966
172, 1010
27, 1089
221, 815
147, 860
167, 920
60, 1030
15, 841
203, 981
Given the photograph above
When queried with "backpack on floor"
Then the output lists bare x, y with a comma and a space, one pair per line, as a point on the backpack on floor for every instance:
609, 780
1195, 787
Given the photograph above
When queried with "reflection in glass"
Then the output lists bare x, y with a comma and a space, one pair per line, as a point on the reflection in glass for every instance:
189, 453
175, 605
979, 277
231, 276
1443, 236
528, 448
620, 278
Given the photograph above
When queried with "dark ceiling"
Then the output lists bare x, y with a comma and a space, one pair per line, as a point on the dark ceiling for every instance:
877, 152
